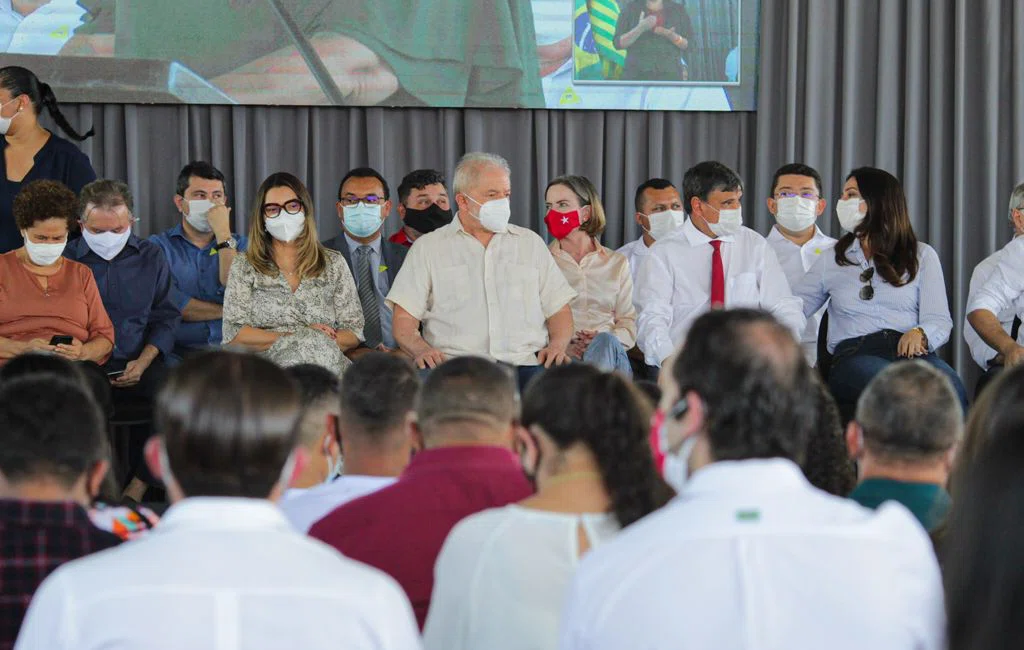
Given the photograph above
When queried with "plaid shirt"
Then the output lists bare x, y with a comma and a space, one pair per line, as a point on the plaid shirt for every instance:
35, 539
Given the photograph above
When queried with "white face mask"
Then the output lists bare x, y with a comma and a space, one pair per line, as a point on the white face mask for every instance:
5, 122
106, 244
493, 215
729, 222
196, 217
664, 222
795, 213
286, 227
43, 254
676, 469
848, 211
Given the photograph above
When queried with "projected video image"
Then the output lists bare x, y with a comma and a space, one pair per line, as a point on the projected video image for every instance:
573, 54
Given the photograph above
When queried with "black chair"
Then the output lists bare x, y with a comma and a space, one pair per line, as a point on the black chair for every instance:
989, 375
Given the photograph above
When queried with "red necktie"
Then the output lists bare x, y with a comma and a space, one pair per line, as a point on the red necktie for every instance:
717, 276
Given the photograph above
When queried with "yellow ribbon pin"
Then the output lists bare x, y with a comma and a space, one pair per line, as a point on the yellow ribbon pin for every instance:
382, 268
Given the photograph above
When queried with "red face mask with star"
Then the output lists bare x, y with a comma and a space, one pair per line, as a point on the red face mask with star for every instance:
560, 224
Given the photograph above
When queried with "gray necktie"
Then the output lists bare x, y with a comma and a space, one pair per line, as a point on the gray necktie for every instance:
368, 297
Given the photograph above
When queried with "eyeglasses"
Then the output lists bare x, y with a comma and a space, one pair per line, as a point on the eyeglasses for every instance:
803, 195
271, 210
369, 199
867, 292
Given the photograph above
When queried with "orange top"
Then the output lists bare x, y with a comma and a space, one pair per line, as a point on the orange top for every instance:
71, 304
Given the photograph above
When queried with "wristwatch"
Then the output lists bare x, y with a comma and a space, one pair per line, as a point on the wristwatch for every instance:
230, 242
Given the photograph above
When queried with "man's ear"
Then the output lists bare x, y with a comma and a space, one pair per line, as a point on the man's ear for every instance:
854, 440
412, 428
151, 452
329, 440
695, 417
340, 210
179, 202
94, 477
401, 211
822, 204
773, 206
525, 446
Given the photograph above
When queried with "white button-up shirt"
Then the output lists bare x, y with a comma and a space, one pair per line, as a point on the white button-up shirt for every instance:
635, 252
604, 292
223, 574
997, 285
919, 303
491, 302
750, 556
796, 261
303, 508
501, 578
673, 288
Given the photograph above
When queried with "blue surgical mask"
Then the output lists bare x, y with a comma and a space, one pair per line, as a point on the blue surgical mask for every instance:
362, 219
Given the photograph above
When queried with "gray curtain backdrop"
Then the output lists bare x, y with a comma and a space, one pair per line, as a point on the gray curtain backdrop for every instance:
930, 90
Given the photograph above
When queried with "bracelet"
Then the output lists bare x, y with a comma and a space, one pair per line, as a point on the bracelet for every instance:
924, 335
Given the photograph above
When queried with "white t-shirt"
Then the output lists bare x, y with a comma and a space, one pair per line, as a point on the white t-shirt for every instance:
501, 578
305, 507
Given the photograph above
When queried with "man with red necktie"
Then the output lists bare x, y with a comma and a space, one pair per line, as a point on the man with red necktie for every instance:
712, 262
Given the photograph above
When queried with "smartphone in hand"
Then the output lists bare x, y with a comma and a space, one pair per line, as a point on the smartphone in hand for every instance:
61, 339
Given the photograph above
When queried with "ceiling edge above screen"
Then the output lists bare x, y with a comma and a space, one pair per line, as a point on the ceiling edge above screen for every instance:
695, 55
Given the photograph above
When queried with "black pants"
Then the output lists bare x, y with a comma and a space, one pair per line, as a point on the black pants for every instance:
135, 404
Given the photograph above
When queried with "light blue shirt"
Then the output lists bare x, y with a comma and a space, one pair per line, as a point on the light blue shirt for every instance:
382, 284
921, 302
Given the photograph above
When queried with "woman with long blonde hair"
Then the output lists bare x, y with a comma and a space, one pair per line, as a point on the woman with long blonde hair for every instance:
288, 297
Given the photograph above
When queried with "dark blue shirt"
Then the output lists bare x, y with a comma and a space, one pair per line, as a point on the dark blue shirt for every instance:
195, 273
136, 290
58, 160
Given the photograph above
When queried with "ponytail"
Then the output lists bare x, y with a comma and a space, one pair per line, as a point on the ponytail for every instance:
579, 404
22, 81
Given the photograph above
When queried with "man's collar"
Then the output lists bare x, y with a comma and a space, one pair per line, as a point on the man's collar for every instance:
196, 513
696, 237
353, 245
738, 476
776, 235
456, 226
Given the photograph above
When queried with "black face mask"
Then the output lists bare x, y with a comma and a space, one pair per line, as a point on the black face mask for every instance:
428, 220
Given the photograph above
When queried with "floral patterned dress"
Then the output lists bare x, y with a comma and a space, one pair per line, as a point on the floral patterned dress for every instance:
267, 302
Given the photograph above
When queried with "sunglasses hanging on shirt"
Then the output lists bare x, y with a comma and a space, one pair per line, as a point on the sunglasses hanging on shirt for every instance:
867, 292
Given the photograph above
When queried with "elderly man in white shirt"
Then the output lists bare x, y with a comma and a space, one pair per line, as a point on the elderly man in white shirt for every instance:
712, 262
482, 286
659, 211
796, 203
750, 555
995, 302
223, 569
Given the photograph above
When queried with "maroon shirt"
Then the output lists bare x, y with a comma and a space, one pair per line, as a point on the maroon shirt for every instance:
401, 528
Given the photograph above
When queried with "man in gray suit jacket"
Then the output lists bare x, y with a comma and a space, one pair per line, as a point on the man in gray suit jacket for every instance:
364, 202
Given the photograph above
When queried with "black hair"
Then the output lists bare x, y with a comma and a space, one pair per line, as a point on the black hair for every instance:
795, 169
365, 172
229, 421
984, 579
468, 389
378, 391
650, 389
52, 428
578, 403
314, 382
22, 81
755, 384
44, 199
649, 184
417, 180
706, 177
88, 374
827, 465
197, 169
886, 227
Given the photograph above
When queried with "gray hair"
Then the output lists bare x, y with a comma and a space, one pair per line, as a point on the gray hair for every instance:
105, 193
909, 412
468, 170
1016, 200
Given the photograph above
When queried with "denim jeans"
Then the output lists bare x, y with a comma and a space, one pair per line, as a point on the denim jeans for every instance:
855, 363
607, 353
523, 374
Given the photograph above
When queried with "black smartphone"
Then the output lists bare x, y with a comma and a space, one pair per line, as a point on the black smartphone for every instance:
115, 373
61, 339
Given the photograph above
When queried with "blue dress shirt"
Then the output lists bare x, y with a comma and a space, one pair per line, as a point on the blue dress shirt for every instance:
195, 273
383, 285
58, 160
136, 290
919, 303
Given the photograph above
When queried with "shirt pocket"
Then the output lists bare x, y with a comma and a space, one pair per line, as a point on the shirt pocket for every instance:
523, 299
743, 290
452, 289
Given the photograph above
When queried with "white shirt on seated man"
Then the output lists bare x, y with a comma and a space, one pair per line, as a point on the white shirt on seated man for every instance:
712, 262
365, 430
659, 211
749, 554
481, 286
